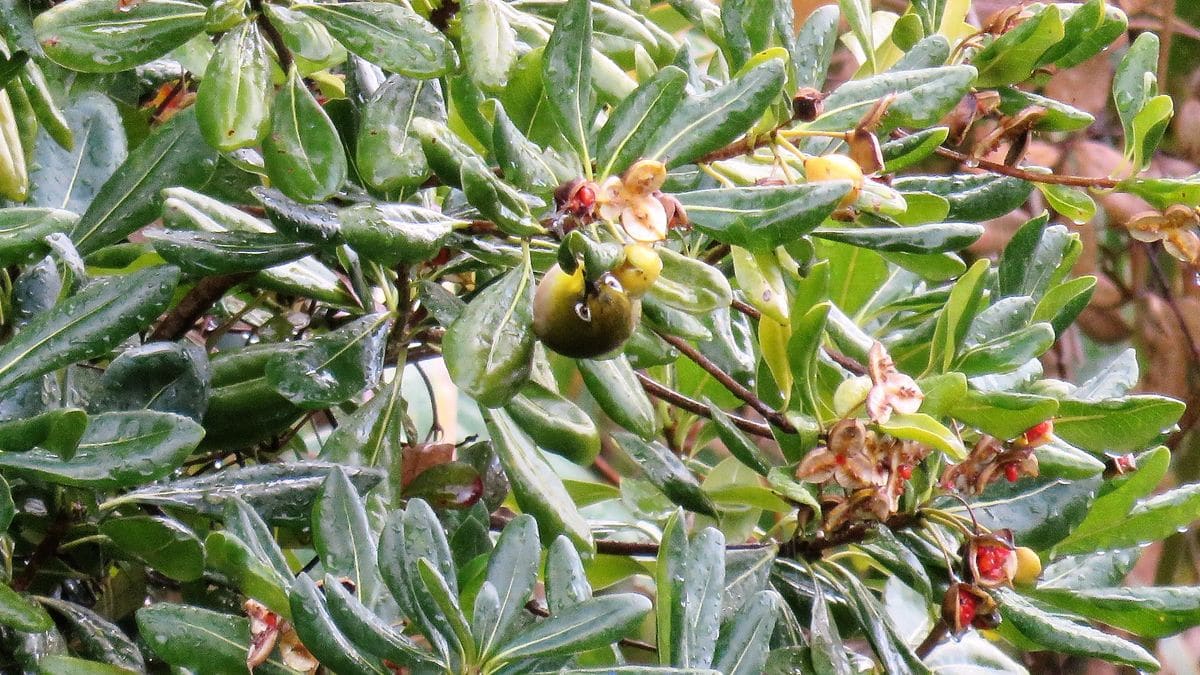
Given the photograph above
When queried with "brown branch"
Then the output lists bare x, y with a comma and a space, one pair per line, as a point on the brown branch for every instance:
199, 300
650, 549
811, 549
273, 36
935, 637
1015, 172
737, 388
693, 406
1161, 277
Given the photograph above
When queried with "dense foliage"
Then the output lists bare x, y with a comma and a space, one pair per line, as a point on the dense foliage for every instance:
569, 335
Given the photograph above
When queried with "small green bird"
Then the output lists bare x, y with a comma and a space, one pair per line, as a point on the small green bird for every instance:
580, 318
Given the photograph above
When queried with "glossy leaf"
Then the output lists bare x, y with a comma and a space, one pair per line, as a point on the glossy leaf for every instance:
232, 103
1013, 56
933, 238
396, 233
303, 153
489, 347
1063, 635
117, 450
1122, 424
199, 639
333, 367
96, 36
218, 253
707, 122
162, 543
57, 431
20, 613
567, 69
174, 155
743, 649
164, 376
388, 156
322, 637
668, 473
762, 218
624, 136
281, 493
537, 488
342, 536
586, 625
554, 423
389, 35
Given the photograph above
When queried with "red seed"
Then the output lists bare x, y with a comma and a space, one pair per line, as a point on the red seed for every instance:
1011, 473
905, 471
840, 460
966, 608
585, 196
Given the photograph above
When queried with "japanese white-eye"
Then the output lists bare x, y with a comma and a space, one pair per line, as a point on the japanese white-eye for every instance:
580, 318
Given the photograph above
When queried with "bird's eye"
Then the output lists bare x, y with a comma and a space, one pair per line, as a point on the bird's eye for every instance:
583, 311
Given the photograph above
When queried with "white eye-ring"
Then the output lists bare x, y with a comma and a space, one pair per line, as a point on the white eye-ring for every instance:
583, 311
612, 282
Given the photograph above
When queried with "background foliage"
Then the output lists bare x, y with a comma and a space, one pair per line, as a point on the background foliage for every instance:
323, 345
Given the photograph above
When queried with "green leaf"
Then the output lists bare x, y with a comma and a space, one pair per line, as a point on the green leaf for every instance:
392, 234
17, 612
829, 655
303, 154
1022, 507
282, 493
447, 602
1060, 634
57, 430
366, 630
973, 197
174, 155
932, 238
199, 639
704, 123
96, 36
409, 536
700, 594
388, 156
310, 43
744, 647
668, 473
815, 44
243, 522
955, 319
512, 572
1089, 29
1007, 353
1013, 56
489, 43
1074, 205
391, 36
1160, 192
342, 536
218, 253
589, 624
567, 70
905, 151
537, 488
1135, 82
1149, 612
881, 632
566, 581
736, 442
489, 347
555, 423
624, 136
1001, 414
23, 231
1147, 129
97, 638
226, 555
69, 179
922, 98
371, 436
117, 450
321, 636
690, 284
523, 162
1120, 424
164, 376
924, 429
162, 543
332, 367
233, 100
1058, 116
762, 218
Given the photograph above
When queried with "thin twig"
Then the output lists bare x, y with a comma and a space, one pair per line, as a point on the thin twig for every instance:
1015, 172
736, 388
206, 293
693, 406
935, 637
1161, 277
